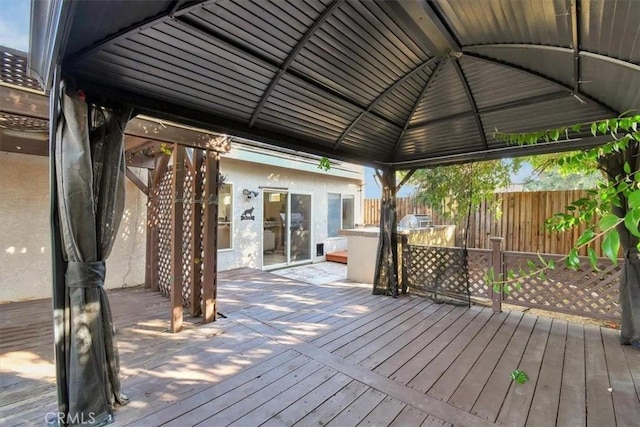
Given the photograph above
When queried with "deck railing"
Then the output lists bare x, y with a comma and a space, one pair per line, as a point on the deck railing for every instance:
584, 292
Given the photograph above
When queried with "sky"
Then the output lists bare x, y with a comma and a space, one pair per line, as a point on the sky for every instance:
14, 24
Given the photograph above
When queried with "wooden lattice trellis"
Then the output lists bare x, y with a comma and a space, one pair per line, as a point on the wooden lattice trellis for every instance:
439, 271
163, 194
583, 292
187, 270
479, 260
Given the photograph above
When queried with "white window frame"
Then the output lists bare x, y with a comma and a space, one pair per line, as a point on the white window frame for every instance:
342, 197
231, 221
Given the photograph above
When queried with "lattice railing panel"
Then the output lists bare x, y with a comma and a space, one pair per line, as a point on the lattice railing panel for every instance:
201, 205
164, 234
438, 270
584, 292
187, 263
479, 260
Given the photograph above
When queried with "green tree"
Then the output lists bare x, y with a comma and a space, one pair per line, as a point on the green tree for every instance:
616, 201
551, 178
455, 191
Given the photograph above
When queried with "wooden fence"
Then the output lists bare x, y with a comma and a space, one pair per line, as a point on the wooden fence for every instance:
519, 221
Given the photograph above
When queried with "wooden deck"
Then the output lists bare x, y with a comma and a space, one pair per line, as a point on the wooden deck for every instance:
291, 353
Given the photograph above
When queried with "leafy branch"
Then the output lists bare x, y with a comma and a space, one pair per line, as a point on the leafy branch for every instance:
621, 193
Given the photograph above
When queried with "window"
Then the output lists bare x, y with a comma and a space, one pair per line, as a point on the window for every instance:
225, 217
348, 208
340, 214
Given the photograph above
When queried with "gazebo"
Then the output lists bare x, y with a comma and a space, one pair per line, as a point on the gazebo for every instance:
395, 85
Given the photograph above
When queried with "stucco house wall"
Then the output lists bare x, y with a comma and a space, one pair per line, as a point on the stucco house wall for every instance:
248, 234
25, 255
25, 249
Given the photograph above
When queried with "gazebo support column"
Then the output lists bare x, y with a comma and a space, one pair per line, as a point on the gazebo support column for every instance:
177, 207
210, 243
385, 279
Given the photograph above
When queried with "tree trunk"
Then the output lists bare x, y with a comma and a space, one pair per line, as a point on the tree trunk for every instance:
385, 281
613, 166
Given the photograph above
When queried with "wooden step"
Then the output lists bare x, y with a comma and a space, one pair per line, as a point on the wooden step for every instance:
340, 257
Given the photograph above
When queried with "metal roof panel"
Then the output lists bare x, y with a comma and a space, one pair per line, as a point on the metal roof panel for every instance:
506, 21
446, 96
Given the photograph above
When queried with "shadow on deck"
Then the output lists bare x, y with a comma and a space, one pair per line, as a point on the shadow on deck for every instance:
294, 353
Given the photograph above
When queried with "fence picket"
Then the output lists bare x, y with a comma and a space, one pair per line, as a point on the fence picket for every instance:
521, 223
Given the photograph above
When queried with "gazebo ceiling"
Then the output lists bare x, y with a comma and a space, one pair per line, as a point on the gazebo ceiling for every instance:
407, 83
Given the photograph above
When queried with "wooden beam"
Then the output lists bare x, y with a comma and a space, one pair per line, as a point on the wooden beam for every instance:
177, 211
172, 133
210, 244
135, 143
140, 160
196, 227
404, 180
137, 182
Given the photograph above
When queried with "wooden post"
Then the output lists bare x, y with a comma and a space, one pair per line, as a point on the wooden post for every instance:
177, 208
148, 256
496, 263
406, 262
210, 244
385, 279
196, 228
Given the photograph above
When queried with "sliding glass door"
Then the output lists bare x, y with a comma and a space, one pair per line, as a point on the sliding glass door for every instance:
286, 229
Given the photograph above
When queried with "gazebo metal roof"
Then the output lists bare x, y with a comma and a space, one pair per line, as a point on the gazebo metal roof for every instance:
399, 83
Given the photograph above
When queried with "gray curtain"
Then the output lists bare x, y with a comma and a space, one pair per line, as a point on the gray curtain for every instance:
90, 173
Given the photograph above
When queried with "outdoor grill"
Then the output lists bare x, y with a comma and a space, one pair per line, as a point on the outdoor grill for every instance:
412, 221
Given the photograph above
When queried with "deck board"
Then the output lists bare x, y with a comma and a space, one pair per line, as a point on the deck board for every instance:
293, 353
599, 401
544, 408
572, 403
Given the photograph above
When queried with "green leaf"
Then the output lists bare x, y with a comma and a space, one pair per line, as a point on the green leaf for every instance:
631, 221
519, 376
531, 264
593, 259
576, 128
634, 199
541, 276
573, 261
594, 129
489, 276
627, 168
585, 237
551, 264
608, 221
603, 127
611, 245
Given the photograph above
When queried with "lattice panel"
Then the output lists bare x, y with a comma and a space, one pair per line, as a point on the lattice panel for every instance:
478, 264
584, 292
13, 70
202, 171
164, 224
439, 270
22, 123
187, 271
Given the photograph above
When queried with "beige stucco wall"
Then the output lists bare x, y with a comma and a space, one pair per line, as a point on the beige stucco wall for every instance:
25, 254
247, 235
